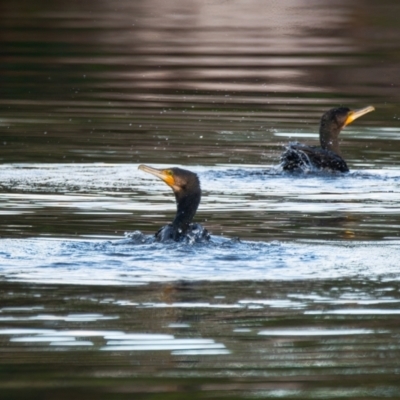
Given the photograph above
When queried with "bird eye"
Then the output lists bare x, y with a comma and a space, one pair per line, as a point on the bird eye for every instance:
169, 172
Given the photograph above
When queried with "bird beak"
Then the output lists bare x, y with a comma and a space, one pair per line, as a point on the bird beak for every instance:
353, 115
163, 174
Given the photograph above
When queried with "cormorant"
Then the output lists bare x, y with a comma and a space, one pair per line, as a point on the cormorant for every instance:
186, 187
300, 157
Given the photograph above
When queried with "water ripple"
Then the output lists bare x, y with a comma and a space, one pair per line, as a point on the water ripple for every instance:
107, 262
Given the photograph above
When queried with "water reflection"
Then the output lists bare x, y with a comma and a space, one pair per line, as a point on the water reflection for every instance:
248, 202
49, 317
115, 341
150, 82
264, 348
177, 346
130, 263
316, 332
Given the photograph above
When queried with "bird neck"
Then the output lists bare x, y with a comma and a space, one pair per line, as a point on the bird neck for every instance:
186, 210
329, 138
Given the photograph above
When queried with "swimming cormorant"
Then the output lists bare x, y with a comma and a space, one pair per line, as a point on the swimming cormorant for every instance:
301, 157
186, 187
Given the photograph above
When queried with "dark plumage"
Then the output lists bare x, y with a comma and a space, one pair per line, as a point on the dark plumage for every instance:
301, 157
186, 187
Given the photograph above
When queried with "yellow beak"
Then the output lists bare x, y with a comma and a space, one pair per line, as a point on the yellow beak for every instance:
164, 174
353, 115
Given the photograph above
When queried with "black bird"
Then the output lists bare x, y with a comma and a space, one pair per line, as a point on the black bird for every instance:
301, 157
186, 187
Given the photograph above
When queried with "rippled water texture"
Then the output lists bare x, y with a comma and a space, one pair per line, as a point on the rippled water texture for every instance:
296, 295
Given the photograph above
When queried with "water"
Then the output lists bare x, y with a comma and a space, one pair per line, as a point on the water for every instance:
297, 293
249, 202
303, 339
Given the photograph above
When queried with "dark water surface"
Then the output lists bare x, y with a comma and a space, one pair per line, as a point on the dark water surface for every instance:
297, 294
307, 339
